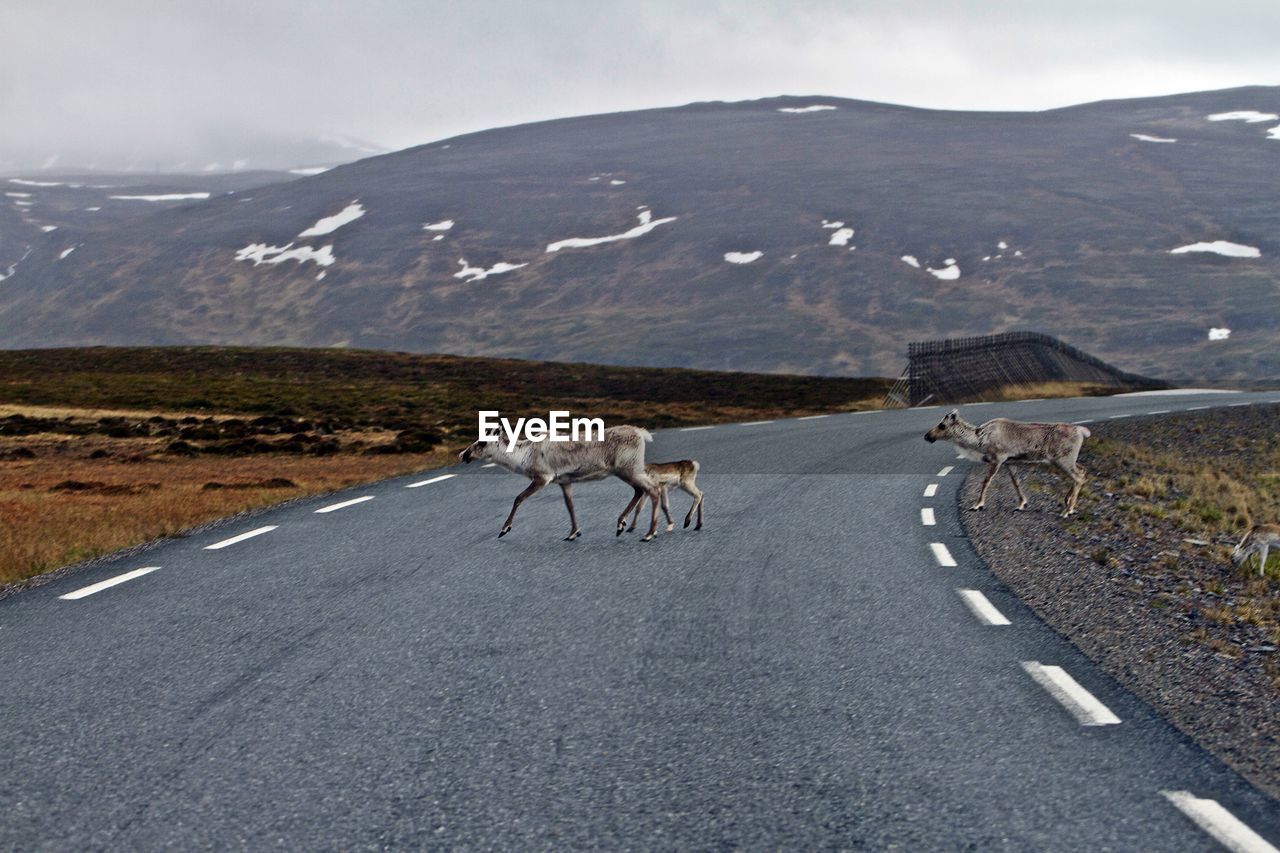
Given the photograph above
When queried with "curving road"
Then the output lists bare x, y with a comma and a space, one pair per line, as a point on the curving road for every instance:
805, 672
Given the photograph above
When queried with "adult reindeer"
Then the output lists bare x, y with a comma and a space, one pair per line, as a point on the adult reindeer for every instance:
1001, 440
620, 454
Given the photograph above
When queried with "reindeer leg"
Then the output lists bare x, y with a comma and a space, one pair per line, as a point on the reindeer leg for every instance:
1262, 560
533, 487
992, 469
1022, 499
666, 508
697, 504
634, 502
574, 530
635, 517
1076, 473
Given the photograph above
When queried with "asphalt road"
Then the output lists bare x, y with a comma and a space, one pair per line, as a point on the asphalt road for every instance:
802, 673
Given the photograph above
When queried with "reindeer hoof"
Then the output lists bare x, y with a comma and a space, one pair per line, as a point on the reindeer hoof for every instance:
699, 527
976, 508
503, 532
1021, 508
647, 537
670, 527
572, 536
686, 524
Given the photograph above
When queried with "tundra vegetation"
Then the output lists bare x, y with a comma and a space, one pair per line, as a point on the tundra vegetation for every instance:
104, 448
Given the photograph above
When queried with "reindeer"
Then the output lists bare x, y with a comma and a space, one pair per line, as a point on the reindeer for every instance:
621, 454
1258, 541
1002, 440
681, 474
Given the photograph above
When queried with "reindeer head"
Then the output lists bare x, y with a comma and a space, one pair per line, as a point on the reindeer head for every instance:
477, 450
944, 428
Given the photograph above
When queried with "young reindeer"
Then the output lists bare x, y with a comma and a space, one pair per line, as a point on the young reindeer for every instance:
1001, 440
1258, 541
680, 474
620, 454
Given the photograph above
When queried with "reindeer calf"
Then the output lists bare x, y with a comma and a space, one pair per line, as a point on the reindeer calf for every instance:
1258, 541
1001, 440
680, 474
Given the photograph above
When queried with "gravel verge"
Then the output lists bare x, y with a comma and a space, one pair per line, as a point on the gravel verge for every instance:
1154, 605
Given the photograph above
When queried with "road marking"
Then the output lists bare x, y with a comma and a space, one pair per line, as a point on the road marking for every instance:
980, 404
812, 417
695, 429
107, 584
441, 478
1225, 827
1082, 704
1116, 417
755, 423
1036, 400
243, 536
1196, 408
1159, 412
345, 504
926, 517
930, 490
922, 408
941, 554
1082, 422
960, 456
489, 465
945, 471
1238, 405
982, 608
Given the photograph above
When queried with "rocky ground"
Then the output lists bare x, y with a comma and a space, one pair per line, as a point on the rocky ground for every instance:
1141, 579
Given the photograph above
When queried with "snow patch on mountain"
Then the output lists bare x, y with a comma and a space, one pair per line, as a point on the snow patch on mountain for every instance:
813, 108
841, 237
308, 171
911, 260
261, 253
950, 272
1142, 137
26, 183
329, 224
1247, 116
1216, 334
1220, 247
647, 224
442, 225
471, 274
743, 257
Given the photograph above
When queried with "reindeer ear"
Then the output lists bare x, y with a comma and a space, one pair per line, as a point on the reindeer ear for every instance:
954, 415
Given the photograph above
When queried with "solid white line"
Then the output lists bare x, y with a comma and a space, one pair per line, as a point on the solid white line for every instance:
1115, 417
945, 471
243, 536
982, 608
345, 504
1227, 829
1082, 704
695, 429
812, 417
922, 408
980, 404
1159, 412
930, 490
1196, 408
926, 516
429, 482
1238, 405
107, 584
941, 554
755, 423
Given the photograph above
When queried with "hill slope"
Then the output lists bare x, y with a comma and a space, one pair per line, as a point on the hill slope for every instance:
1059, 221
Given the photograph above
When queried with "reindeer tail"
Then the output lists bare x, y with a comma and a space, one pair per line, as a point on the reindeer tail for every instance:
644, 433
1084, 431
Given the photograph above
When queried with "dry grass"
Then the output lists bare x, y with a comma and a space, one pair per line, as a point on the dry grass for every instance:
1045, 391
62, 507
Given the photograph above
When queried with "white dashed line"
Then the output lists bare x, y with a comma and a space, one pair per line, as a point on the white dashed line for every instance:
489, 465
980, 404
1227, 829
107, 584
926, 517
945, 471
1081, 422
345, 504
982, 608
1238, 405
1159, 412
930, 490
695, 429
441, 478
1196, 408
243, 536
941, 554
812, 417
1082, 704
1116, 417
755, 423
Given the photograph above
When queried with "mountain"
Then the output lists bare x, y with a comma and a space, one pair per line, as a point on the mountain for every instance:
811, 234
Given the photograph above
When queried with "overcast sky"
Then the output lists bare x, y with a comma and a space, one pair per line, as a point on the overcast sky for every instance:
156, 76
